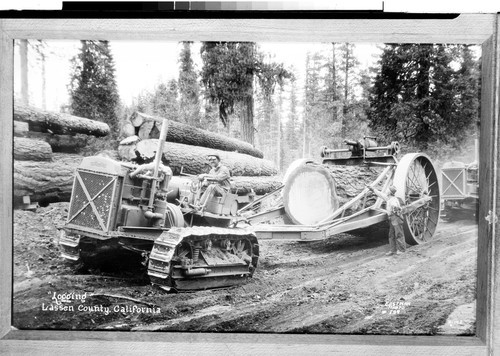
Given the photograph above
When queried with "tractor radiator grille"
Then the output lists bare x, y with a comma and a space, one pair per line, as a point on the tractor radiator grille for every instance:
453, 182
92, 199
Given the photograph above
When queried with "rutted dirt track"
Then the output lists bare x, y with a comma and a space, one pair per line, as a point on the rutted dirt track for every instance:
344, 284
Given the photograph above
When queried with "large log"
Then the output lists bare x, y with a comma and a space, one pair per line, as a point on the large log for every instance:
193, 159
28, 149
59, 143
58, 123
260, 185
45, 182
313, 192
148, 127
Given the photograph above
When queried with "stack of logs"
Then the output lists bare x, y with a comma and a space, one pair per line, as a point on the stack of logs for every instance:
186, 150
47, 149
46, 153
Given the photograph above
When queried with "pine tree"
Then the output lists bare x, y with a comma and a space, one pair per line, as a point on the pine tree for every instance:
332, 87
264, 114
420, 99
189, 88
93, 90
467, 86
292, 125
348, 66
317, 121
23, 55
228, 74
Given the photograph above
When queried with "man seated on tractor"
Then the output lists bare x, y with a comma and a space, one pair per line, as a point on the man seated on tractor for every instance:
394, 210
216, 181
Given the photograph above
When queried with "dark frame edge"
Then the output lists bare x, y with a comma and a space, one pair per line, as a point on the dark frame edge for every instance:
488, 318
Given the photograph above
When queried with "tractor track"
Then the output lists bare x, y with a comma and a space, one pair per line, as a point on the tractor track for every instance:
344, 284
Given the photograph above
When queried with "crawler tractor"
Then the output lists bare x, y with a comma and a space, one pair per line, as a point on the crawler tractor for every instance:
188, 247
119, 205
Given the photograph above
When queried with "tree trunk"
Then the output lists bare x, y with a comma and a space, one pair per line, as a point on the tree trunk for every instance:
247, 128
23, 54
334, 85
45, 182
193, 159
346, 92
28, 149
188, 135
58, 123
278, 134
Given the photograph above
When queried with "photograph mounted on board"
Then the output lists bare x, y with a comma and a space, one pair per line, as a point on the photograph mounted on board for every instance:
322, 188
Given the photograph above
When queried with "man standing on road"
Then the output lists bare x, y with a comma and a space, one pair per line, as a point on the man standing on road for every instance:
393, 208
217, 180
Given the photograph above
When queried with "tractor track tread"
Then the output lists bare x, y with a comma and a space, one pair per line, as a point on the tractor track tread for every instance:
173, 265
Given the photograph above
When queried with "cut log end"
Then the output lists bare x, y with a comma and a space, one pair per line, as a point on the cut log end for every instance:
310, 195
28, 149
313, 192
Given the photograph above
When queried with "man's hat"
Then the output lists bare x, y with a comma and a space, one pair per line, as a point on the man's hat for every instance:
392, 189
214, 155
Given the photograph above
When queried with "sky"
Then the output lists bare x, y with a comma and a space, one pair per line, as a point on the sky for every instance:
142, 65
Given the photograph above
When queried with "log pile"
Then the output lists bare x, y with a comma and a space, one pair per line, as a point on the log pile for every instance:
248, 171
46, 147
186, 150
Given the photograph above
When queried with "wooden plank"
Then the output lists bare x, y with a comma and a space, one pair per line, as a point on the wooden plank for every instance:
6, 90
488, 153
238, 344
494, 254
466, 28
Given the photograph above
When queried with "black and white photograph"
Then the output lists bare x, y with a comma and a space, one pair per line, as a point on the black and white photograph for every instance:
289, 185
246, 187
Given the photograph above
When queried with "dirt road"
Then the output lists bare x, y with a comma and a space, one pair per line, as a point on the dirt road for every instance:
341, 285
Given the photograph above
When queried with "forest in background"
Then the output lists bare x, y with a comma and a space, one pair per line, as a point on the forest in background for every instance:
424, 96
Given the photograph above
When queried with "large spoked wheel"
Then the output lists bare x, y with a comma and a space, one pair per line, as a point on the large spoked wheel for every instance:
415, 178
